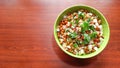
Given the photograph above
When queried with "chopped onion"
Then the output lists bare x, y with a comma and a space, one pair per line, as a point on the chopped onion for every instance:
95, 48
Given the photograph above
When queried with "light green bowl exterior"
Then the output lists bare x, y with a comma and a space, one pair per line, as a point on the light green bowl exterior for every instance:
105, 26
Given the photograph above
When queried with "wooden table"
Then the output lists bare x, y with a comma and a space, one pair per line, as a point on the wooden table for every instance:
27, 40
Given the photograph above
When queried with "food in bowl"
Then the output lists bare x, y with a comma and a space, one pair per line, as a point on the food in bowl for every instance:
80, 32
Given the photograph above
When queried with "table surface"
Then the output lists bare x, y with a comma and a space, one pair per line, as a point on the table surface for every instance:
27, 40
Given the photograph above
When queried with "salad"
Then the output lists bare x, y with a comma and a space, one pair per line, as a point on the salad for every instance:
80, 32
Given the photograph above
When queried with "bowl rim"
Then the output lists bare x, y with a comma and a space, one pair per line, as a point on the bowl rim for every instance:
76, 56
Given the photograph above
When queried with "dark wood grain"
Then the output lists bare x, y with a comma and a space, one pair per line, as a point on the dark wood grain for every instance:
27, 41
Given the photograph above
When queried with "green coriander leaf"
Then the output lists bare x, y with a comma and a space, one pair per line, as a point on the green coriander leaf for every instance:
92, 28
75, 45
85, 42
66, 30
84, 26
86, 39
73, 35
93, 35
88, 20
78, 42
81, 15
77, 21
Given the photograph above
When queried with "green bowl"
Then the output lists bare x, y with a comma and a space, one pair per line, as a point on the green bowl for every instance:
106, 31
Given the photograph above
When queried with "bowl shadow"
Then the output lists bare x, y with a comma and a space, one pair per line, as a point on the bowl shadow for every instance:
68, 59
